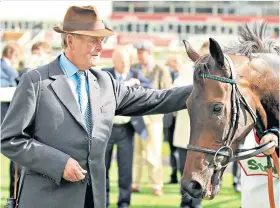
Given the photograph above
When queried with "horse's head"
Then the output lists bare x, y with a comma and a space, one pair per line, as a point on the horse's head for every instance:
215, 126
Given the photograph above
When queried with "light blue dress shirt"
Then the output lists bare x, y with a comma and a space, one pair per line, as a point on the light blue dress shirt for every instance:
120, 77
70, 70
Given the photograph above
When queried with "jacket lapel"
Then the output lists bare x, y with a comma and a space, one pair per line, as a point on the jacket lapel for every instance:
112, 71
94, 95
64, 93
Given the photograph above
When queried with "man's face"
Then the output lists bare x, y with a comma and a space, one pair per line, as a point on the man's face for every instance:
86, 50
176, 63
122, 63
173, 65
143, 56
36, 51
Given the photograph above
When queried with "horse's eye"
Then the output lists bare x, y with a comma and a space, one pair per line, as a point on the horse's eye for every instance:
218, 108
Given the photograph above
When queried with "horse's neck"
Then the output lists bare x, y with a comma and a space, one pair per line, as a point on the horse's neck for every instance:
259, 81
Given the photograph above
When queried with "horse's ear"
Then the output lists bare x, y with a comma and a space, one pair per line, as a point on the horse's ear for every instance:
216, 52
193, 55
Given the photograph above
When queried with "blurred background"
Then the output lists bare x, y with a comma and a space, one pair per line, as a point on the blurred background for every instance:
28, 25
165, 23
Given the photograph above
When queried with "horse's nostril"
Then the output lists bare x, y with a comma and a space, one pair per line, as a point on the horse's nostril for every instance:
195, 185
195, 189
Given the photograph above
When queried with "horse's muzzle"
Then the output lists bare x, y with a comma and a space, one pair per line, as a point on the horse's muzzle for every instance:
193, 188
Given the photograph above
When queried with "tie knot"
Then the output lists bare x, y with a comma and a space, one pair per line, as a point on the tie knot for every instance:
81, 74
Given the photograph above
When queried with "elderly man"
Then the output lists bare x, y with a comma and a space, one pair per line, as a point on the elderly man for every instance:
62, 141
123, 129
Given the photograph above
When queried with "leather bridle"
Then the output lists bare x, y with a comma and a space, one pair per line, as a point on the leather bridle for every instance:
236, 99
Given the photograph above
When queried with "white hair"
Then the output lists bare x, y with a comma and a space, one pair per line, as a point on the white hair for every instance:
64, 36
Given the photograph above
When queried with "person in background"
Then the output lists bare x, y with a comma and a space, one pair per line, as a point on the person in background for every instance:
149, 148
133, 54
123, 129
182, 131
35, 49
9, 77
40, 55
47, 50
8, 73
204, 49
174, 62
22, 69
236, 173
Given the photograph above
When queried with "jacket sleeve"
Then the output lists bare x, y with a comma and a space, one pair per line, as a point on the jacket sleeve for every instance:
17, 130
138, 101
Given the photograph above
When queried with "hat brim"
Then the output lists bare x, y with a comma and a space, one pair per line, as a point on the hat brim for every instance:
95, 33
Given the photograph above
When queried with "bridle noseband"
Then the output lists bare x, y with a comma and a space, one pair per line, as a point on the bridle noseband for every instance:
236, 99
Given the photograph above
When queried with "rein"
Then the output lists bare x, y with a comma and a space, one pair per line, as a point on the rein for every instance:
226, 150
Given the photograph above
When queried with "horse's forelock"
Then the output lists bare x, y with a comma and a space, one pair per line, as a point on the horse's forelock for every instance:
206, 64
201, 66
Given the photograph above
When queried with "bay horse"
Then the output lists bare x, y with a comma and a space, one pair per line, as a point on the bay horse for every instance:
234, 91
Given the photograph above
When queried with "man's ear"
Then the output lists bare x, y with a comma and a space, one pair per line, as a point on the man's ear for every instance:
70, 40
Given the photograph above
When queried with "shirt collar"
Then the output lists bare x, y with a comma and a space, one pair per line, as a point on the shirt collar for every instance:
123, 76
67, 66
7, 61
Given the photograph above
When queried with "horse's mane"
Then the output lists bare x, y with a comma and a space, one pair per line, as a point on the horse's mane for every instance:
251, 42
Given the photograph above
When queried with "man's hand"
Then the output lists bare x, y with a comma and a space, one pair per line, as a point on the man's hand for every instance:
267, 138
73, 171
132, 82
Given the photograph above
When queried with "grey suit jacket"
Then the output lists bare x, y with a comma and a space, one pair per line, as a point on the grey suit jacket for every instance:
60, 132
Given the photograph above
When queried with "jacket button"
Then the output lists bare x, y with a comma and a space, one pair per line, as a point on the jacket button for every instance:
89, 160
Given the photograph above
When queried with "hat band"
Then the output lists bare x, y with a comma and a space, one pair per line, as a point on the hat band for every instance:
82, 25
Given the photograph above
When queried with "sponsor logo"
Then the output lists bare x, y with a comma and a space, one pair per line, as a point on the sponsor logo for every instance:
257, 166
254, 165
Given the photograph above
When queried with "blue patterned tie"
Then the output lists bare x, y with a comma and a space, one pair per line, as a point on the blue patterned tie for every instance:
84, 101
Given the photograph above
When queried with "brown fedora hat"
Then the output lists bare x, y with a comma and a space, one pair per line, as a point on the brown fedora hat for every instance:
84, 20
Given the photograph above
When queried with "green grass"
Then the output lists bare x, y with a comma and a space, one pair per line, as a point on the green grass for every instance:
4, 179
171, 198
